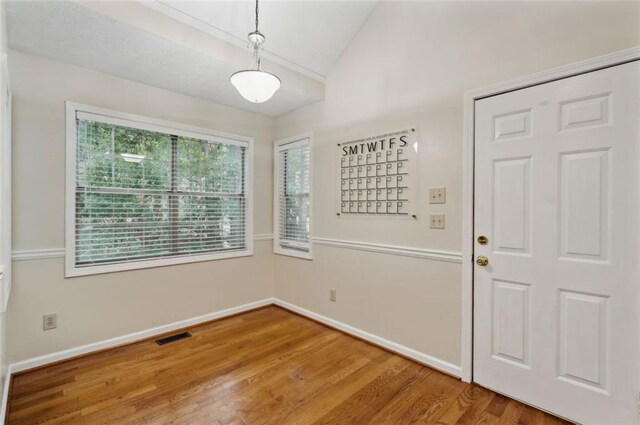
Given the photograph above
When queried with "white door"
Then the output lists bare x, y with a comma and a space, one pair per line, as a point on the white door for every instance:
556, 194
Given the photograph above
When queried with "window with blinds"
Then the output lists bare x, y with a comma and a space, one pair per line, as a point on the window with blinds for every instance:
146, 194
293, 197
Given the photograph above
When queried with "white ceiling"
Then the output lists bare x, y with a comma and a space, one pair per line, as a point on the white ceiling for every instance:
305, 35
198, 54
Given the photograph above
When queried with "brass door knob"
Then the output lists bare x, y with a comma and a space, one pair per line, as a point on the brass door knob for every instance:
483, 240
482, 260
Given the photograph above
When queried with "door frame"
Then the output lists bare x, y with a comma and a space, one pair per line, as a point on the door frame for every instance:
468, 160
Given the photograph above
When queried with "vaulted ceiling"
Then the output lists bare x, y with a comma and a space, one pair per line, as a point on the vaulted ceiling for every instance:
192, 47
305, 35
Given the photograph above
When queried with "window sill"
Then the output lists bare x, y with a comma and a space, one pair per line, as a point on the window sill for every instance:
305, 255
73, 271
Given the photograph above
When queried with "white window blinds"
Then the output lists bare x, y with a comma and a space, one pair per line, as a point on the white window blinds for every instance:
293, 216
145, 193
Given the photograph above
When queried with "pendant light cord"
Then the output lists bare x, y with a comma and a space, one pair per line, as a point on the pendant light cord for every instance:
256, 47
256, 15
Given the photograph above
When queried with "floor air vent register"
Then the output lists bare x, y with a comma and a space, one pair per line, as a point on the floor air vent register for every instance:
173, 338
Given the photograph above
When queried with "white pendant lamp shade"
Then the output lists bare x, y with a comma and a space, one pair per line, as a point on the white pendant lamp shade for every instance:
255, 86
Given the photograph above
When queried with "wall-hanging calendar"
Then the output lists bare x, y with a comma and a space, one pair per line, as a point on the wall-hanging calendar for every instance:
378, 175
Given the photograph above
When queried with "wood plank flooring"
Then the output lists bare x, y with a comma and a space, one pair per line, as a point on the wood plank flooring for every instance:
267, 366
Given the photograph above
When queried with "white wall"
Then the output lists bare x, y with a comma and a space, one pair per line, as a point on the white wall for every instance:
99, 307
409, 66
5, 239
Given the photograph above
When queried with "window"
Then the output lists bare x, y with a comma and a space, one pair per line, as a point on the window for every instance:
293, 197
143, 193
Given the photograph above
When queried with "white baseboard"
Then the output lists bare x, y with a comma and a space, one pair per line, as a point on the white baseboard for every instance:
136, 336
423, 358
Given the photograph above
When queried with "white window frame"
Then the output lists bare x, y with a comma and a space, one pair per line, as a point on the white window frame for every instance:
74, 109
277, 147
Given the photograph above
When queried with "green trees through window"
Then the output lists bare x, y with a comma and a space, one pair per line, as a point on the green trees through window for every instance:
142, 194
295, 212
293, 185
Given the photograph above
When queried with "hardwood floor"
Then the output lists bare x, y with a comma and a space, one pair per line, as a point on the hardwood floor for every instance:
266, 366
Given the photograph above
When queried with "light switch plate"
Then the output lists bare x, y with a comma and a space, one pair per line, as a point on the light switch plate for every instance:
437, 195
436, 221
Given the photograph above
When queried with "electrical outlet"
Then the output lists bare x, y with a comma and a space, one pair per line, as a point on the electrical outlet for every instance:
437, 195
436, 221
49, 321
332, 295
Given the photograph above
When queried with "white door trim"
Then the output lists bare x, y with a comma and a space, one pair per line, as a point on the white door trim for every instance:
470, 97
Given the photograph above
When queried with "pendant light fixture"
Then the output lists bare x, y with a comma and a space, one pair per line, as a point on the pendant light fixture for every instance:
254, 84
